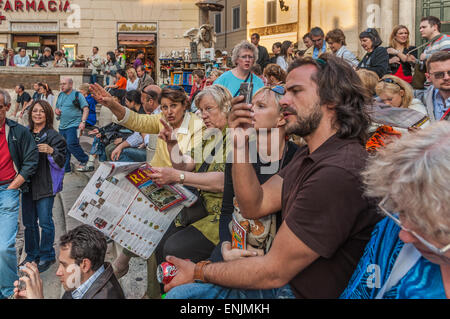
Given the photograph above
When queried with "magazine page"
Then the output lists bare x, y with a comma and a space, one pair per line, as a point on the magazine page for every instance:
162, 196
104, 200
238, 235
142, 227
123, 167
118, 209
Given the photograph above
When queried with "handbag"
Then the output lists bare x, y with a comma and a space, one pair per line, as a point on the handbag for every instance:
260, 232
197, 211
419, 78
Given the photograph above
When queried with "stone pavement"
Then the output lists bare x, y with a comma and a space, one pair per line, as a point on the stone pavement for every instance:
134, 283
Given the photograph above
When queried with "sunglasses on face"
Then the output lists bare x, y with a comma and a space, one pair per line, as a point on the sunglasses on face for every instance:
440, 75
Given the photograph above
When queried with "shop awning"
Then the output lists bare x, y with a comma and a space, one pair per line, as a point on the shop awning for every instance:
149, 38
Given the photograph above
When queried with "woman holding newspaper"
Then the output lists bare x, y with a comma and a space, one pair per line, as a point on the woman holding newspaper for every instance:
194, 239
395, 92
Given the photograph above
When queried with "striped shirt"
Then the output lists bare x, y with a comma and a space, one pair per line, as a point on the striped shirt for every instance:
81, 291
442, 43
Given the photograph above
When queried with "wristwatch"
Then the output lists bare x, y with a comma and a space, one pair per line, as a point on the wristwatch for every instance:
182, 178
199, 275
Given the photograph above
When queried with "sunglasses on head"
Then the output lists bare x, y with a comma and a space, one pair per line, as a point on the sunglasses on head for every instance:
390, 81
278, 89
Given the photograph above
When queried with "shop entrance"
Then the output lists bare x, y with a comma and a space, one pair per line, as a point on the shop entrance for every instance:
133, 43
35, 44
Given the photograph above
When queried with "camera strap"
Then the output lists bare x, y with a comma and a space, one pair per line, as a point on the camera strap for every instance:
249, 76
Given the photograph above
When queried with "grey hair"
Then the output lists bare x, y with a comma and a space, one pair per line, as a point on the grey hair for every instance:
414, 172
6, 97
244, 45
219, 93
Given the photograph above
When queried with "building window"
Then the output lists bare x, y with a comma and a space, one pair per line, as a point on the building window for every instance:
271, 11
236, 18
218, 23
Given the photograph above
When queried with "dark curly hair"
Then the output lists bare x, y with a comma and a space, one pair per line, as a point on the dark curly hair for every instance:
86, 242
340, 86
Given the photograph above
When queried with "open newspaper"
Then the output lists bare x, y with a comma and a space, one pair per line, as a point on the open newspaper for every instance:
396, 116
133, 214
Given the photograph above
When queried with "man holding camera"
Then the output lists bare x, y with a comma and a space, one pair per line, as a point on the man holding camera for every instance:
82, 269
73, 111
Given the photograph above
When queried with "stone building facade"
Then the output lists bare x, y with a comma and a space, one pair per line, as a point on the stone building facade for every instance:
154, 26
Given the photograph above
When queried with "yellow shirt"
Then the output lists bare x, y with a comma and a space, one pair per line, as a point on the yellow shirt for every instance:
189, 134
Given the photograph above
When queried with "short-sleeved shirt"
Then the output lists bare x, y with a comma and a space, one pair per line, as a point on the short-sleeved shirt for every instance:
233, 84
324, 206
24, 98
71, 115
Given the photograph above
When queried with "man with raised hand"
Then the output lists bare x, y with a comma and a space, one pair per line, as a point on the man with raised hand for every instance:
326, 220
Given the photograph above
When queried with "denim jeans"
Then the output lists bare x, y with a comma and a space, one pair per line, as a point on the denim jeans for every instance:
98, 148
38, 244
210, 291
132, 154
73, 147
93, 78
9, 214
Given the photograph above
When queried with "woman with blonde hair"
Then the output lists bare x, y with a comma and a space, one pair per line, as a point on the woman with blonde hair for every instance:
370, 80
394, 92
133, 80
400, 61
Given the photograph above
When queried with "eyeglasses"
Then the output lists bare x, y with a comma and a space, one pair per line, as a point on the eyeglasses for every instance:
396, 220
278, 89
440, 75
247, 57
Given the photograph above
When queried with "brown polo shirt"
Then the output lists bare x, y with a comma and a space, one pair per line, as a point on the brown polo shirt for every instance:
324, 206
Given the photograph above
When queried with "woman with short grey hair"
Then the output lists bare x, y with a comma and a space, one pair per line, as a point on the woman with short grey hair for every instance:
245, 55
408, 256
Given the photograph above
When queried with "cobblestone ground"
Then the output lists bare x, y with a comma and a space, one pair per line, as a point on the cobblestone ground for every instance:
134, 283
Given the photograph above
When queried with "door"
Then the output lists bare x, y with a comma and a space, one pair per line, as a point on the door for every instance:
437, 8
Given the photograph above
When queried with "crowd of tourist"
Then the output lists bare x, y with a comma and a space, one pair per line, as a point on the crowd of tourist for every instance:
356, 208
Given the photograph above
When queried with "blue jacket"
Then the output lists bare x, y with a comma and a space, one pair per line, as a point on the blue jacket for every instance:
23, 150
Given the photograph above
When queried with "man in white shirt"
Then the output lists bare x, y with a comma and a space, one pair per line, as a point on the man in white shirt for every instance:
22, 59
95, 64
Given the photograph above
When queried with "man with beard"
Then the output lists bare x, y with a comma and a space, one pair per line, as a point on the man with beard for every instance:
437, 96
326, 220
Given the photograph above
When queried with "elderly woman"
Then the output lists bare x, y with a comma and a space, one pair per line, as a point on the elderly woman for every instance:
377, 57
408, 256
196, 241
244, 57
